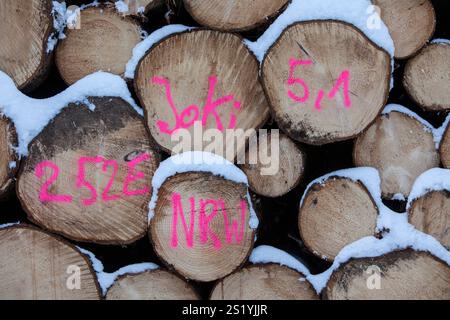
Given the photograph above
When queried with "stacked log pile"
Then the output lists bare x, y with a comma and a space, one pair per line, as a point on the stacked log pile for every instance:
109, 173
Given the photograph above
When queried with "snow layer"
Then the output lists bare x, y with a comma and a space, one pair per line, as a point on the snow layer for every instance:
105, 279
436, 179
447, 41
355, 12
397, 233
197, 161
144, 46
30, 115
7, 225
267, 254
436, 132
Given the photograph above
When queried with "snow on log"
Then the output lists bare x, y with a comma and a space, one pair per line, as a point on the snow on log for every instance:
104, 42
429, 204
264, 282
151, 285
289, 171
334, 213
236, 15
400, 147
202, 221
444, 149
38, 266
427, 77
325, 81
137, 8
200, 76
25, 28
87, 173
9, 161
399, 275
411, 24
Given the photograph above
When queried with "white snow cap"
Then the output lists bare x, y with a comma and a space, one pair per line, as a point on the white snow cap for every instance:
105, 279
267, 254
436, 179
197, 161
397, 234
145, 45
30, 115
355, 12
446, 41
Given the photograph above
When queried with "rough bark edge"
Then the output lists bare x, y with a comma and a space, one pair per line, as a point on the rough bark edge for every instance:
398, 252
317, 184
442, 108
300, 136
258, 24
63, 234
41, 73
441, 146
154, 46
64, 242
128, 274
7, 188
171, 267
258, 265
135, 20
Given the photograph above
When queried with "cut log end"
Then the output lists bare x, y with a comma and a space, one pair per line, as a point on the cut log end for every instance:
201, 225
335, 214
411, 24
264, 282
25, 28
87, 174
104, 42
9, 162
400, 275
237, 15
317, 95
400, 148
216, 93
279, 180
427, 76
151, 285
38, 266
431, 214
444, 149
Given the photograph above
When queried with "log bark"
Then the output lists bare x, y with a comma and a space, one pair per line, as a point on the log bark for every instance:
216, 215
431, 214
288, 174
104, 42
335, 214
88, 173
427, 77
237, 15
411, 24
151, 285
320, 95
400, 147
38, 266
200, 75
404, 275
264, 282
444, 149
25, 28
9, 161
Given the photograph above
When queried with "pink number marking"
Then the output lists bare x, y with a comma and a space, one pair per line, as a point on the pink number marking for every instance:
44, 195
192, 112
132, 176
294, 63
81, 178
105, 195
178, 209
344, 81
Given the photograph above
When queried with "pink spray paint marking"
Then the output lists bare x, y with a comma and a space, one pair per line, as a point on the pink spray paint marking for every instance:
343, 81
81, 178
105, 194
133, 176
192, 112
232, 229
44, 195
